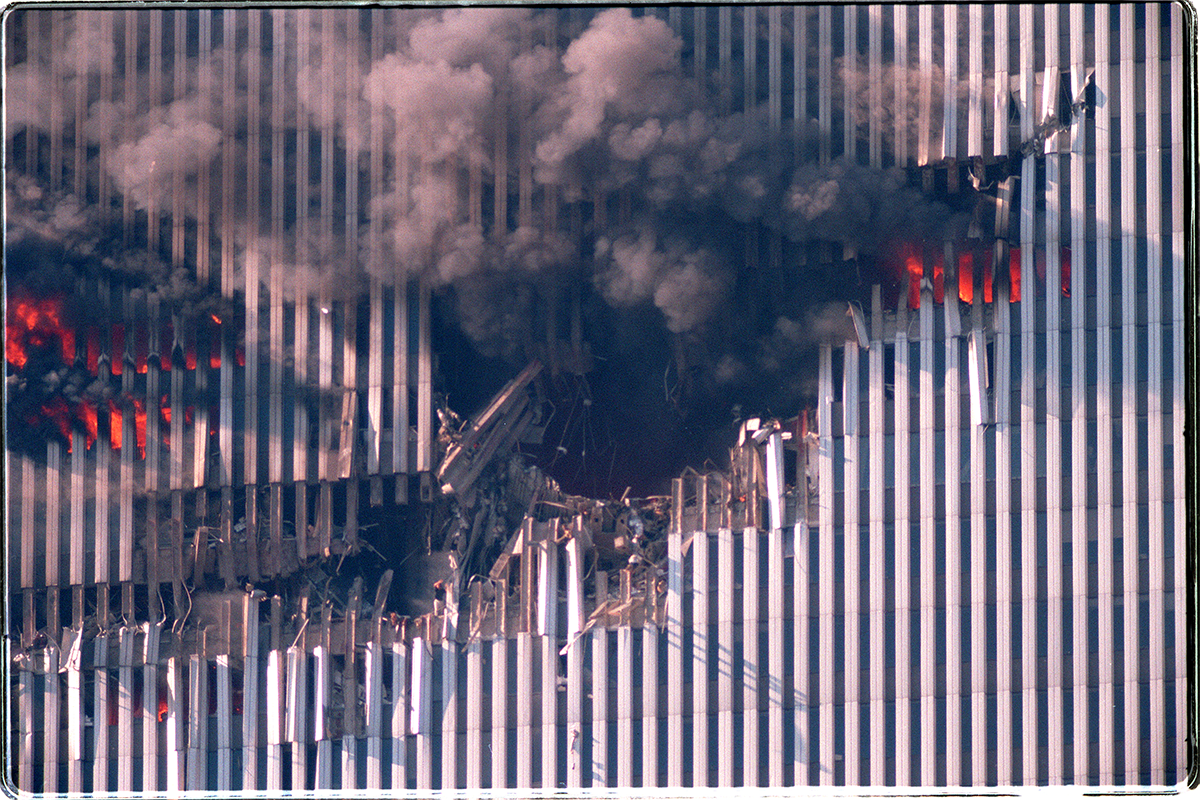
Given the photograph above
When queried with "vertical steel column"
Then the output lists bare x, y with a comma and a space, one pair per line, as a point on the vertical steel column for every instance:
651, 652
53, 520
1156, 557
852, 583
449, 703
924, 147
421, 714
74, 732
28, 490
548, 639
823, 747
524, 691
276, 696
927, 736
498, 749
276, 349
176, 743
1178, 497
903, 391
250, 691
52, 730
1104, 389
474, 694
197, 734
1131, 213
79, 465
975, 82
575, 645
1029, 444
25, 768
824, 88
953, 513
725, 662
849, 60
874, 84
125, 741
1080, 462
322, 678
950, 136
375, 124
99, 712
150, 740
302, 346
296, 707
424, 381
751, 671
875, 531
1054, 429
674, 640
228, 116
373, 702
624, 636
903, 147
703, 650
601, 776
400, 707
224, 725
55, 36
775, 601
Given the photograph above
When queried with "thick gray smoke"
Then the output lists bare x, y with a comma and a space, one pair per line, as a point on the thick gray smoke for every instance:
516, 157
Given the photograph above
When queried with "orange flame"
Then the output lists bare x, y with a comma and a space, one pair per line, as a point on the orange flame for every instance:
214, 341
139, 422
939, 278
189, 350
87, 413
35, 323
167, 344
114, 425
164, 410
1014, 270
59, 413
239, 355
966, 276
912, 263
141, 348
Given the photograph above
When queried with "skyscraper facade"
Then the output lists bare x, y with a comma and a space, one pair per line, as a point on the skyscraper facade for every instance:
958, 558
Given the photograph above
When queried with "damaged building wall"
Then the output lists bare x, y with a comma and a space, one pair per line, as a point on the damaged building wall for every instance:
190, 605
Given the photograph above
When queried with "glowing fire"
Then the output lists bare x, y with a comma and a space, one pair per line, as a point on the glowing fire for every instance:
912, 262
141, 348
139, 422
167, 343
87, 413
966, 276
939, 278
114, 425
59, 413
35, 323
214, 340
189, 351
164, 410
1014, 271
